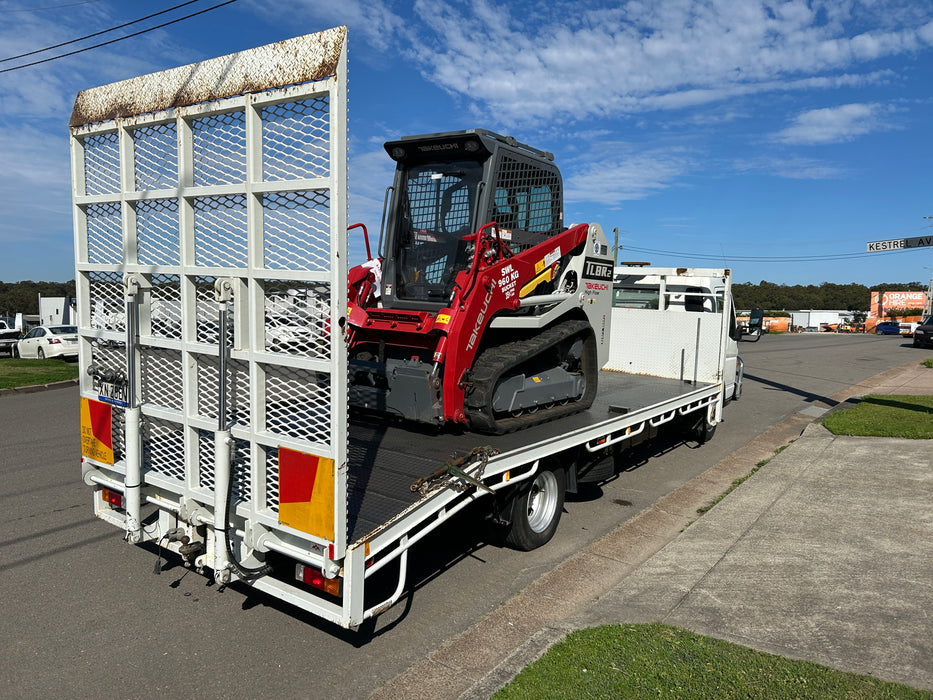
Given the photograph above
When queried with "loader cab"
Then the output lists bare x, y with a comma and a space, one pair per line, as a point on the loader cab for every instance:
446, 187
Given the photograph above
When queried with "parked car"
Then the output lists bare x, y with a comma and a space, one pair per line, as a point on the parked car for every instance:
923, 333
888, 328
49, 341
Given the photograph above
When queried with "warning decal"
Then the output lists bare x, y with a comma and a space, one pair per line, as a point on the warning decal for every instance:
96, 435
306, 493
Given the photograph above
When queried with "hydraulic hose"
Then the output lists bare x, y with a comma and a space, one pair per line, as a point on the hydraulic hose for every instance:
244, 572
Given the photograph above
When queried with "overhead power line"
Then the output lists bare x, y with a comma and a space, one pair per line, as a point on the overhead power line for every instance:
91, 36
765, 259
128, 36
48, 7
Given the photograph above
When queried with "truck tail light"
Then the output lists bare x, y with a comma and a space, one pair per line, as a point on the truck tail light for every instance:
316, 579
114, 498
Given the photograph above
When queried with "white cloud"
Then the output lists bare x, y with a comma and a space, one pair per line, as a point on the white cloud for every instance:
35, 186
369, 173
835, 124
374, 20
617, 172
47, 91
794, 168
574, 61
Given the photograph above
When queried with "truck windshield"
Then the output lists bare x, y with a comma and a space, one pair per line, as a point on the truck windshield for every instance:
435, 213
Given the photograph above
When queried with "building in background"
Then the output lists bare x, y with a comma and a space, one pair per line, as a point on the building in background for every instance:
882, 303
57, 311
819, 320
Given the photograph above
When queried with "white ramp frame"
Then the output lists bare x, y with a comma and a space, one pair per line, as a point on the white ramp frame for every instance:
244, 186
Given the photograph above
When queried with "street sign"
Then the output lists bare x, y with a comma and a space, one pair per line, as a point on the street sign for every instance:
900, 244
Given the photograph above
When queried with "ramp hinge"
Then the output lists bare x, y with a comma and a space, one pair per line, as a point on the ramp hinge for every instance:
223, 289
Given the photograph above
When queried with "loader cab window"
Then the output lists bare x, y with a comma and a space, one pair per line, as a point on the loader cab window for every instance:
525, 210
436, 212
526, 202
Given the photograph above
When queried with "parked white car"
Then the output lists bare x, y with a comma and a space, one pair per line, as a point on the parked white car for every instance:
49, 341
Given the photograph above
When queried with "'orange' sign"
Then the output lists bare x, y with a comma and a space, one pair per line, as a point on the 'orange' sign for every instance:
96, 427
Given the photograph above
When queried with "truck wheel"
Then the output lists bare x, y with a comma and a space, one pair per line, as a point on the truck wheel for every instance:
536, 510
702, 431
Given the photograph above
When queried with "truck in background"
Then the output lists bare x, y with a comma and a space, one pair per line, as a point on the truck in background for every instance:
9, 336
211, 274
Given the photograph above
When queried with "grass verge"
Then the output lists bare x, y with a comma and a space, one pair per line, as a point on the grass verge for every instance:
928, 362
893, 415
738, 482
16, 372
652, 661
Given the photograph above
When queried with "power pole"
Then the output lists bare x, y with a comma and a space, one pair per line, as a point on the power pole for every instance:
928, 305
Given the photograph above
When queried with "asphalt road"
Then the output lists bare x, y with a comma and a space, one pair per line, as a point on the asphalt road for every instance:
82, 612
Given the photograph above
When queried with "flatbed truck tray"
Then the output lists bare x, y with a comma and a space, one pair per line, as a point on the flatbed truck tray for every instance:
385, 459
211, 255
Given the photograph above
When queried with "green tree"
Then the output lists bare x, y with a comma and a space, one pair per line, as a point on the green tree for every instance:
23, 297
828, 295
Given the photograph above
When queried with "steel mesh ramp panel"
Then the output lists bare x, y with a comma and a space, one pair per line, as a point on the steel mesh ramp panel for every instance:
379, 479
215, 194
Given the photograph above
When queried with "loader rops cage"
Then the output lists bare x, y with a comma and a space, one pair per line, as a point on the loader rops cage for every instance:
210, 239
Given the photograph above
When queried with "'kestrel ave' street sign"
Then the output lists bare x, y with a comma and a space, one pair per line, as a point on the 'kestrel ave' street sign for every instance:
900, 244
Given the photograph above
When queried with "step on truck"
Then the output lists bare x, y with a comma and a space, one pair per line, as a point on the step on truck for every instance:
272, 417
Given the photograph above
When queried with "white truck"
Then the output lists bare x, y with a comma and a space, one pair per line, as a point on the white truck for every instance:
9, 336
209, 198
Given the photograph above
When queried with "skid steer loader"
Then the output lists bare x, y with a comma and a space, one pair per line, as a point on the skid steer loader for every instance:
481, 308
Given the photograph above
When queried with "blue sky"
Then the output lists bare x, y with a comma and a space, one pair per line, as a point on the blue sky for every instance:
710, 133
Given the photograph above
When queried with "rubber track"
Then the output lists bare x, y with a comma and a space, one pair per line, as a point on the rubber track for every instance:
496, 361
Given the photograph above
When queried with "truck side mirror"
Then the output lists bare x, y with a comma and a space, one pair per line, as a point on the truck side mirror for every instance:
753, 330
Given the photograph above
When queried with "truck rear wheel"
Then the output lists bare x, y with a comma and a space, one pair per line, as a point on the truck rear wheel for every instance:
703, 431
536, 510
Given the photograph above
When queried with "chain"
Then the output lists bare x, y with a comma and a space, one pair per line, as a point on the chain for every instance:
453, 474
